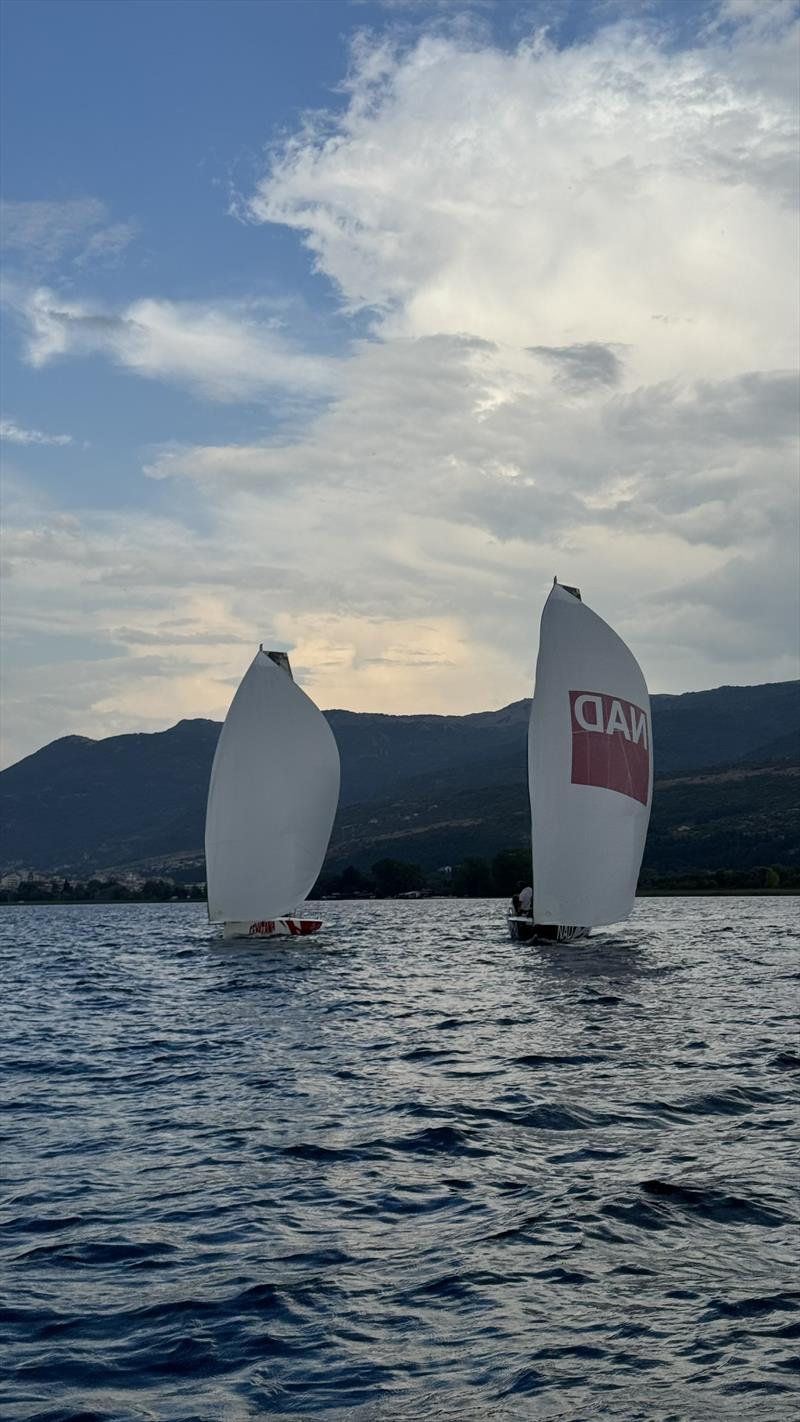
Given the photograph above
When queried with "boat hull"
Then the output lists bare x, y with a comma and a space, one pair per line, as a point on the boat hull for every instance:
273, 928
524, 930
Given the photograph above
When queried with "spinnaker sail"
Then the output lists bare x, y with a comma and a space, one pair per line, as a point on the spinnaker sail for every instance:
272, 798
590, 768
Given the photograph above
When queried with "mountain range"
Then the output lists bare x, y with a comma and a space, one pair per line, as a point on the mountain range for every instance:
429, 789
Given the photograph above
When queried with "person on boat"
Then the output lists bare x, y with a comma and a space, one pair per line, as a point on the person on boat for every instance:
522, 900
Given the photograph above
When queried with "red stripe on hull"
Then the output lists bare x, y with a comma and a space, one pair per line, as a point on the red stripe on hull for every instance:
280, 927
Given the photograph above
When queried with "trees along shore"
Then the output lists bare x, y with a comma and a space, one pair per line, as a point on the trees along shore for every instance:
474, 877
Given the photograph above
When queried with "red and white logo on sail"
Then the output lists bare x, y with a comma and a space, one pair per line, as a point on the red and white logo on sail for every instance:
610, 744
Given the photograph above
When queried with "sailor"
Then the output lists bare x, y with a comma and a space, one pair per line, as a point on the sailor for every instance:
523, 900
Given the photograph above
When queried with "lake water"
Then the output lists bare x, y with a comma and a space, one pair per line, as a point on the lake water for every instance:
408, 1170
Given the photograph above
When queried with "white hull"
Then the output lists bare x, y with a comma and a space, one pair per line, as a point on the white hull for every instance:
272, 928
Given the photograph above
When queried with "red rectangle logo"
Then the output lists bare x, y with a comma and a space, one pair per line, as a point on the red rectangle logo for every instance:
610, 744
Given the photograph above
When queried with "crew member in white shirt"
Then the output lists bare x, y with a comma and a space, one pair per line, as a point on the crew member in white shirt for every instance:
523, 900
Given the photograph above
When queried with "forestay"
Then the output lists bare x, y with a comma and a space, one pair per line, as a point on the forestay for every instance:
590, 768
272, 798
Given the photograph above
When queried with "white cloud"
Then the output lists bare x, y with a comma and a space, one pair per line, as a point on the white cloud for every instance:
763, 16
580, 269
226, 352
16, 434
493, 439
557, 197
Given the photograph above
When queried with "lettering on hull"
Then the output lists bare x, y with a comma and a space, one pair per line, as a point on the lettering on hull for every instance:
295, 927
610, 744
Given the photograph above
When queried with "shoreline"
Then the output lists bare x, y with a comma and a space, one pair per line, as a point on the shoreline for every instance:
776, 893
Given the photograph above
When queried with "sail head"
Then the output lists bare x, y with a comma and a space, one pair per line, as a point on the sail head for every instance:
281, 659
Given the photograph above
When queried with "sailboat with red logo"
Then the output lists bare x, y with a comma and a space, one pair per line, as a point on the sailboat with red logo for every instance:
590, 775
272, 800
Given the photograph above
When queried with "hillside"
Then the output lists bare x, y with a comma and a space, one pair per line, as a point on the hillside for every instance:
734, 817
428, 788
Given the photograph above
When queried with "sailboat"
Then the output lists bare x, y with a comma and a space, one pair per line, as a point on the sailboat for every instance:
590, 774
272, 800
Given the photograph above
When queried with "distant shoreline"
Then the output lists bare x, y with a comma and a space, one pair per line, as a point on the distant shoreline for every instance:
717, 893
48, 902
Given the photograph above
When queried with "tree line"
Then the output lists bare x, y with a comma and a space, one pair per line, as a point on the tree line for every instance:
474, 877
109, 891
477, 877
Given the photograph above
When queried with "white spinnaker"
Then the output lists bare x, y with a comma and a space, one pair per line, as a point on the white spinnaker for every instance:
272, 798
588, 840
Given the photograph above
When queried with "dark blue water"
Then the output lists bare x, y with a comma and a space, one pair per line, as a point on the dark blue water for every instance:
409, 1170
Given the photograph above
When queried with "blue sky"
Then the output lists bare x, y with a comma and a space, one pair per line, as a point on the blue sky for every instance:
162, 109
341, 324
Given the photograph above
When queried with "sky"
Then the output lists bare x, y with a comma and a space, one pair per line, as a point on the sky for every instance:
346, 327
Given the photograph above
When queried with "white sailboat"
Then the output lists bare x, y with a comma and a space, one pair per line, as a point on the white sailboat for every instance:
590, 774
271, 804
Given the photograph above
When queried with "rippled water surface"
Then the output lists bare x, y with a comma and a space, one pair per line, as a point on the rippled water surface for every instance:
407, 1170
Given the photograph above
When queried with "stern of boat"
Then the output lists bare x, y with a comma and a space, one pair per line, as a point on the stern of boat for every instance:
524, 930
292, 927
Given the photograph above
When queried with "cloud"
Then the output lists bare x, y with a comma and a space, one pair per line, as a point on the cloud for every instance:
577, 273
494, 441
226, 352
47, 229
734, 612
549, 202
582, 365
42, 233
559, 196
15, 434
755, 15
107, 244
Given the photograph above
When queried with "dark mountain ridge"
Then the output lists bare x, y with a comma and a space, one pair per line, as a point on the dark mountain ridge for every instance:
427, 787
